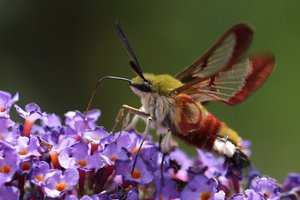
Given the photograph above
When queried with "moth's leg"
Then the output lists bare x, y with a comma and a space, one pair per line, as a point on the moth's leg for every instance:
117, 119
159, 142
162, 169
165, 144
125, 121
130, 109
139, 113
134, 120
146, 132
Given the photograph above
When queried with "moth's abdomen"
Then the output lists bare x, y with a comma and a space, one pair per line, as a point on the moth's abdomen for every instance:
194, 124
200, 128
202, 133
209, 133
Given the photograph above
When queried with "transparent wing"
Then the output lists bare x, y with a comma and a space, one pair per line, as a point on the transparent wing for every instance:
238, 83
226, 51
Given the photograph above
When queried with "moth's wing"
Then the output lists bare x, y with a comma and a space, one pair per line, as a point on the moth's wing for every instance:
235, 85
226, 51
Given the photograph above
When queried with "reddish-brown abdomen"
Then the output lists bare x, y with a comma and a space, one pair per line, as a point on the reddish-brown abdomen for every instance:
205, 135
210, 125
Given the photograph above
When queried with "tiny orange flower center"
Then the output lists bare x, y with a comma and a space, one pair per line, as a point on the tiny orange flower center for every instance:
61, 186
2, 109
134, 150
267, 194
205, 196
82, 163
54, 159
78, 138
113, 158
39, 178
26, 166
23, 152
5, 169
161, 197
136, 174
94, 147
27, 127
2, 135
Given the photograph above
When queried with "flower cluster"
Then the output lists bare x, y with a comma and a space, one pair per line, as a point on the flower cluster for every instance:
43, 158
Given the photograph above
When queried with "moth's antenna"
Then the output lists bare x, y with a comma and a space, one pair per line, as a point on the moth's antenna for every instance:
95, 89
134, 64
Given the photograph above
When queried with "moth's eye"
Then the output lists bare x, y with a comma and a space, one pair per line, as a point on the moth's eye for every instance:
147, 84
146, 87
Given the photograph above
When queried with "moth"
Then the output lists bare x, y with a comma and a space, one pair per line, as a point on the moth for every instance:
175, 105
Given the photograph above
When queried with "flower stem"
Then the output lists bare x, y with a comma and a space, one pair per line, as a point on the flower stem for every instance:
81, 183
101, 177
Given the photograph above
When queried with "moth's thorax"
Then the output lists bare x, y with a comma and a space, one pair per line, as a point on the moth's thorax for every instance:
157, 105
161, 109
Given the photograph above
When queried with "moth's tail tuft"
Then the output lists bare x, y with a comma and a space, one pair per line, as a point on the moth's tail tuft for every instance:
240, 159
236, 164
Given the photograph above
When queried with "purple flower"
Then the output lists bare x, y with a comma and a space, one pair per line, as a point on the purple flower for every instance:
76, 121
141, 174
246, 147
199, 187
292, 181
85, 197
74, 197
253, 173
220, 195
94, 161
57, 183
51, 121
27, 147
5, 123
102, 196
92, 117
39, 171
127, 139
6, 101
238, 197
168, 190
97, 137
31, 113
151, 156
5, 134
9, 164
184, 162
215, 164
114, 153
250, 194
267, 187
60, 143
133, 194
78, 156
9, 192
71, 197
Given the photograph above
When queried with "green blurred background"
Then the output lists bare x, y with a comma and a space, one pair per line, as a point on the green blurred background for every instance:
53, 52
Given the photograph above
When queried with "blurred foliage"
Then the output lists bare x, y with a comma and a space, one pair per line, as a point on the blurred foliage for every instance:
53, 52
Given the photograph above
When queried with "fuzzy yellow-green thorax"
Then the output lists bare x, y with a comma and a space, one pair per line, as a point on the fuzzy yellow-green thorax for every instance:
163, 84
